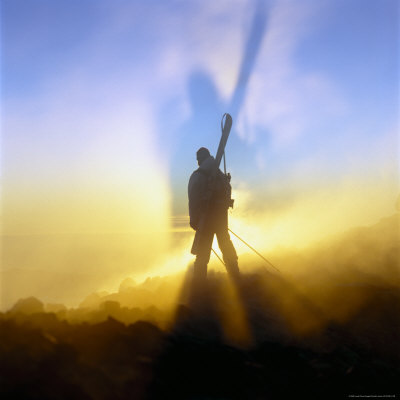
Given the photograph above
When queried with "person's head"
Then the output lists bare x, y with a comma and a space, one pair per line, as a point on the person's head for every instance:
202, 154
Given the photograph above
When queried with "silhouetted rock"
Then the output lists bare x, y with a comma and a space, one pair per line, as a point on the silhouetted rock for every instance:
29, 305
110, 307
126, 284
55, 307
91, 301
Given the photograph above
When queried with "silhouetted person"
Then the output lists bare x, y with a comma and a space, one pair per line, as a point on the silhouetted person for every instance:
209, 199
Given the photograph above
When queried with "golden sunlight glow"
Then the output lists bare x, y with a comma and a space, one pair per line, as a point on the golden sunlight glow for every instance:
314, 216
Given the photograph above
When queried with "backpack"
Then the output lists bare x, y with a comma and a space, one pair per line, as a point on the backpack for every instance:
223, 190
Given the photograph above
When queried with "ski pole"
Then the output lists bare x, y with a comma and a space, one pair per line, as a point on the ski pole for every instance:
219, 258
255, 251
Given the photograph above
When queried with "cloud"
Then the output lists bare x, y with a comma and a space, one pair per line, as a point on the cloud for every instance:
283, 98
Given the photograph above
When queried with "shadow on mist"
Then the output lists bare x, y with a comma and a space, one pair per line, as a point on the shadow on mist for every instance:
206, 104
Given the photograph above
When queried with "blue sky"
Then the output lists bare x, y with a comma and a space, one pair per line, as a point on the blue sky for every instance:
99, 93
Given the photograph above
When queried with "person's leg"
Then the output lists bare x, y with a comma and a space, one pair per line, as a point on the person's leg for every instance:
203, 256
228, 251
199, 282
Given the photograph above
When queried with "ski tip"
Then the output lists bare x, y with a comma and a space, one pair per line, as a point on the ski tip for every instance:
228, 121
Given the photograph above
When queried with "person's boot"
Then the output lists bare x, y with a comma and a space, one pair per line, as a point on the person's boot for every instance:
233, 270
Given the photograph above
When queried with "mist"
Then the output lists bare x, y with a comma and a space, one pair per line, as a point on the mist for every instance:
319, 275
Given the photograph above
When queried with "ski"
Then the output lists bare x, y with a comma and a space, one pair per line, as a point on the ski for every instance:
226, 129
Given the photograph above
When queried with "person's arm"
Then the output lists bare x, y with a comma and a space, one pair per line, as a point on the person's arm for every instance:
195, 199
